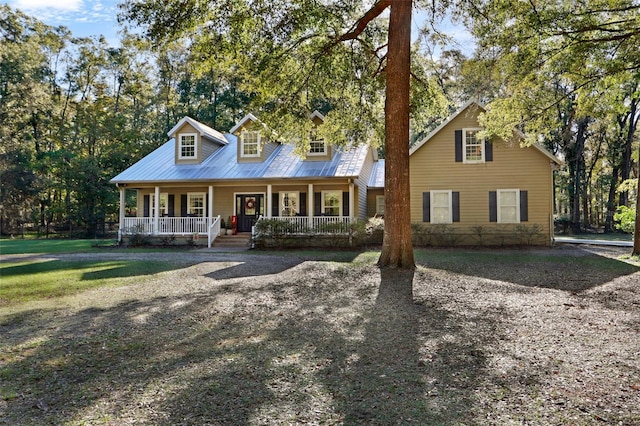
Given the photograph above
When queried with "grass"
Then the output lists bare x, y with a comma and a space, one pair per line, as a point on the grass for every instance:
28, 246
30, 281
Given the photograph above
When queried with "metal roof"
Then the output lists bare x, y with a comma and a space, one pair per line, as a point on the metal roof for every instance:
204, 130
283, 163
376, 180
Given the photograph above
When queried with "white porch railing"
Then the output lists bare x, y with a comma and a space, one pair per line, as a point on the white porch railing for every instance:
301, 225
214, 231
166, 225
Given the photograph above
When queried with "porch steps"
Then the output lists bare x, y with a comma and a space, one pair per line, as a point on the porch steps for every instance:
240, 240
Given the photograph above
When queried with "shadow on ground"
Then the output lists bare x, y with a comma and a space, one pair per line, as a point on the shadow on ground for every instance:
306, 351
548, 268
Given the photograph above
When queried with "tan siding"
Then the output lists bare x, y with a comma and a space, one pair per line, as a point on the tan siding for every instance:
371, 200
433, 167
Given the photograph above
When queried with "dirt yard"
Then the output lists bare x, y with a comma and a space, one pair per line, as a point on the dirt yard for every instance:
493, 337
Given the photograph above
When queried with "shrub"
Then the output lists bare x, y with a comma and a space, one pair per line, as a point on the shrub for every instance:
626, 218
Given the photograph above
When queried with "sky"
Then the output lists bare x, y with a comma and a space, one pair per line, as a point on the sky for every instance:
98, 17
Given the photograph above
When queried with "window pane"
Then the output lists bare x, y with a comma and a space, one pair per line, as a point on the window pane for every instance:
289, 201
187, 146
441, 199
249, 143
332, 203
508, 206
318, 147
440, 207
196, 205
473, 146
508, 214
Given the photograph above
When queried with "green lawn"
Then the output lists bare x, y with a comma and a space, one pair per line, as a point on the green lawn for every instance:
28, 246
29, 281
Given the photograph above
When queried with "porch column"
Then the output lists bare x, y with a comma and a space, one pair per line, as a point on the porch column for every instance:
310, 201
156, 213
121, 219
269, 202
351, 200
210, 207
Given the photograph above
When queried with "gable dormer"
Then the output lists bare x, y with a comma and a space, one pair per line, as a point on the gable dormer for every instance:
194, 141
319, 148
254, 144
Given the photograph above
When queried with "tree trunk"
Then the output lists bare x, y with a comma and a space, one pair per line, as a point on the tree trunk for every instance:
636, 232
611, 201
397, 249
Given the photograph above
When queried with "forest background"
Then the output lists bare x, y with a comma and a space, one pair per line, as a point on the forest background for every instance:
74, 112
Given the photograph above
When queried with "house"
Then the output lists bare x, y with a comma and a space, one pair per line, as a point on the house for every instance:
465, 190
200, 177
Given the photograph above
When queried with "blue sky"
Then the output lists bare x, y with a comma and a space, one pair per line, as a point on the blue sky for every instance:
98, 17
83, 17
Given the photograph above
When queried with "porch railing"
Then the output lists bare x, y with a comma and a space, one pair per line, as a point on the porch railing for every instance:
301, 225
166, 225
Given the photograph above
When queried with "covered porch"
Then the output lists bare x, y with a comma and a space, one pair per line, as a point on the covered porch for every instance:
311, 208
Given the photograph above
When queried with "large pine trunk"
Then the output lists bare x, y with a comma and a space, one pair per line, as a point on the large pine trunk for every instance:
397, 249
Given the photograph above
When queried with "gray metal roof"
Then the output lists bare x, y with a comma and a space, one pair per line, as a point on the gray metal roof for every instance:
283, 163
376, 180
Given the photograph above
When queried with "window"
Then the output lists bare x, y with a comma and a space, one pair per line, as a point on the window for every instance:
380, 204
187, 148
195, 204
289, 203
441, 211
317, 146
473, 147
164, 204
508, 201
331, 203
250, 144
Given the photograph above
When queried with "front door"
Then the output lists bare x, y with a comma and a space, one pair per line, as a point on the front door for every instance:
248, 208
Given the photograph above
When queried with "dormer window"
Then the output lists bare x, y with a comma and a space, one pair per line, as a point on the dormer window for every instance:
317, 146
187, 149
250, 144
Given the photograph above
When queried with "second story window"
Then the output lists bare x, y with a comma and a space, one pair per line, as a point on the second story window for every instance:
317, 146
473, 147
250, 144
187, 148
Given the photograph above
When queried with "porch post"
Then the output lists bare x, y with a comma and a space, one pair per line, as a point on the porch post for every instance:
210, 207
351, 199
269, 201
310, 197
121, 216
156, 213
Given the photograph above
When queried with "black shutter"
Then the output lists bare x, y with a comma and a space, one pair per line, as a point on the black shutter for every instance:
317, 203
455, 204
171, 207
458, 139
493, 206
426, 207
145, 204
345, 204
183, 205
524, 206
488, 151
275, 201
302, 211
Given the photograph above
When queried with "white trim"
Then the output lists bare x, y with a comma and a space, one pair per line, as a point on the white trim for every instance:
317, 114
204, 202
499, 192
248, 117
205, 130
325, 150
432, 205
242, 144
464, 146
181, 136
322, 201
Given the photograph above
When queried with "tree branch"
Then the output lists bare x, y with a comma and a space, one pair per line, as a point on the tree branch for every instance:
362, 23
